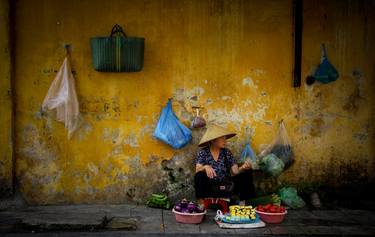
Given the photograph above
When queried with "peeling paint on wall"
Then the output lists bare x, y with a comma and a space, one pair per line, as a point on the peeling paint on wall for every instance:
249, 82
260, 113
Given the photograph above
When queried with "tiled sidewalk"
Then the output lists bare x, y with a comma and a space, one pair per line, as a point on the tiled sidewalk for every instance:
87, 220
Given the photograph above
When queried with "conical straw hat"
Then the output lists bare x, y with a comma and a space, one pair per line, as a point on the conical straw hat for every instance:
214, 131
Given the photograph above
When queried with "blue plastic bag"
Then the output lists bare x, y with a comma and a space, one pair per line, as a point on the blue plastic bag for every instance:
248, 153
170, 130
325, 72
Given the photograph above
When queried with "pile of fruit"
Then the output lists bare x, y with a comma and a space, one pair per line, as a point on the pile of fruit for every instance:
239, 215
270, 208
242, 212
186, 206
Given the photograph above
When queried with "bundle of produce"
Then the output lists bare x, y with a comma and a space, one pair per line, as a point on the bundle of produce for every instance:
263, 200
239, 215
159, 201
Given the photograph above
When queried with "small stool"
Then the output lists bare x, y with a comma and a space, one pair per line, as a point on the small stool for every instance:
222, 202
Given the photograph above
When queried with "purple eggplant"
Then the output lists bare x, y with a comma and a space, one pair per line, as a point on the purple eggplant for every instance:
178, 207
184, 210
191, 207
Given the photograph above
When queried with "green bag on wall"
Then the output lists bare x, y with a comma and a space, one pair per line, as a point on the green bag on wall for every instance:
117, 53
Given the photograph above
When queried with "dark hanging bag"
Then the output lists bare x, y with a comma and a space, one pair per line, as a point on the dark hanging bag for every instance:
117, 53
326, 72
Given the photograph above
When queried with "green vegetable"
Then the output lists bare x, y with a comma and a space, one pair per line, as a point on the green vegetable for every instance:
158, 196
271, 165
263, 200
159, 201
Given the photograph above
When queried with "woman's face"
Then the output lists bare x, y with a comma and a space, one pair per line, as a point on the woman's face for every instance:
219, 142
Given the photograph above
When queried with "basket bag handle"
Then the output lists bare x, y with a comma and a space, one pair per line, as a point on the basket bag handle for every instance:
117, 29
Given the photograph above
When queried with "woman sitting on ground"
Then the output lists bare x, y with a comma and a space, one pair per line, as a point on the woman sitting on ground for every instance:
215, 164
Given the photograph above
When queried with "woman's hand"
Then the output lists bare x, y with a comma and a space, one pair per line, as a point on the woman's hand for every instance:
210, 171
246, 165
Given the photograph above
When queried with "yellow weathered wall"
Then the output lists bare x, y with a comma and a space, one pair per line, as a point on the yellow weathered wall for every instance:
6, 148
335, 129
232, 57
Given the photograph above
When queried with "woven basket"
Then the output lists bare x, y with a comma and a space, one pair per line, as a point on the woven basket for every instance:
117, 53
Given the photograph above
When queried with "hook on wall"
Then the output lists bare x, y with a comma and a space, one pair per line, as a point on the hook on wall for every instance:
68, 48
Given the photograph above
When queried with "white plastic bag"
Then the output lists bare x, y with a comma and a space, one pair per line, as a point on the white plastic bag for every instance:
62, 97
281, 147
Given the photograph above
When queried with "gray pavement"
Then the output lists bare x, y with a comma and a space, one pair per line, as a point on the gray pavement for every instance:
91, 220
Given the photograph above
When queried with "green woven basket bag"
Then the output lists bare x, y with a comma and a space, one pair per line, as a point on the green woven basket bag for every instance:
117, 53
